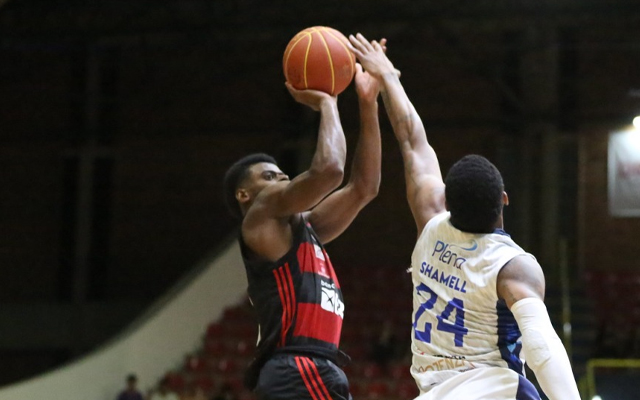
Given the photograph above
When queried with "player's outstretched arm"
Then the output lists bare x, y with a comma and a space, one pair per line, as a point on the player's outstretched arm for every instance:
521, 284
425, 188
327, 166
335, 213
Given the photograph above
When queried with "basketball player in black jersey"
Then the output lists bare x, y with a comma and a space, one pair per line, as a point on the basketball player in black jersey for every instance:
285, 225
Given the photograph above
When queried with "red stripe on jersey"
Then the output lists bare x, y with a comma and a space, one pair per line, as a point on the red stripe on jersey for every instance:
318, 378
283, 300
290, 295
315, 322
316, 263
303, 374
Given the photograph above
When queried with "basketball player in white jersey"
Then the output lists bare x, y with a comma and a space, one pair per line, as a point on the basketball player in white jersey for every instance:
478, 308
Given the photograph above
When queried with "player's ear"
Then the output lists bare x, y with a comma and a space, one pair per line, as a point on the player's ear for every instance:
242, 195
505, 198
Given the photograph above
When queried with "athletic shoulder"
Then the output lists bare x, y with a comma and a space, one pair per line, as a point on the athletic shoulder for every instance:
520, 278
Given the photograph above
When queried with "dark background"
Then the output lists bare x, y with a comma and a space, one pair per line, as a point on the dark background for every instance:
119, 118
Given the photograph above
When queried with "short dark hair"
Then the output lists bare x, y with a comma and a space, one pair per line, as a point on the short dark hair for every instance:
236, 174
473, 192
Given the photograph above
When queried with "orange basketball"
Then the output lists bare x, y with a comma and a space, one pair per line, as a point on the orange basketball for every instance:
319, 58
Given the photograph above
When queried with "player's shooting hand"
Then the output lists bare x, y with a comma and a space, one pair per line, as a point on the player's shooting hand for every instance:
372, 55
312, 98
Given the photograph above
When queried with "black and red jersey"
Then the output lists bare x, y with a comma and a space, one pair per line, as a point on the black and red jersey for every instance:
297, 299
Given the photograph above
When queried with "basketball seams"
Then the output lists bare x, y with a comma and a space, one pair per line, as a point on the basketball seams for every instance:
291, 47
312, 64
346, 49
310, 32
306, 57
326, 47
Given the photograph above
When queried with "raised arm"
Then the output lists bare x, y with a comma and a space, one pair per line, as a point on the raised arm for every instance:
327, 166
521, 285
335, 213
425, 188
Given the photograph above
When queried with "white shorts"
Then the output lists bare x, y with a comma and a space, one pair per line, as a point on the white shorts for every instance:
491, 383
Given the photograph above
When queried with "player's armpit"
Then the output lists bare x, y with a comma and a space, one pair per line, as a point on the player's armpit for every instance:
425, 195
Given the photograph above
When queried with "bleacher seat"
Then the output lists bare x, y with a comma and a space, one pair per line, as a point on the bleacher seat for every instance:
195, 363
372, 371
226, 366
215, 347
407, 389
204, 382
377, 390
175, 381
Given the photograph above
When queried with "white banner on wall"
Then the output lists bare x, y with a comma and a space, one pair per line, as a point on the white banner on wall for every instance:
624, 174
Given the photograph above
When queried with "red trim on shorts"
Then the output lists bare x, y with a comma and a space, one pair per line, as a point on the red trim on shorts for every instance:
305, 379
320, 382
312, 379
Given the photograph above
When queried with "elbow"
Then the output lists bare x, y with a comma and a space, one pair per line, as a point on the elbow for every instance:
367, 191
371, 192
331, 174
335, 174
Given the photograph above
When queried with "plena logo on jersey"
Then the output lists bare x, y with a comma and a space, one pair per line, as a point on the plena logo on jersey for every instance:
447, 256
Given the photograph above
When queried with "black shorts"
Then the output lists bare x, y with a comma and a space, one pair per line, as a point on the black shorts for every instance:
297, 377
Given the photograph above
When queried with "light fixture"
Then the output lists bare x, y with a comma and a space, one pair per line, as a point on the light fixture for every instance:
636, 122
596, 397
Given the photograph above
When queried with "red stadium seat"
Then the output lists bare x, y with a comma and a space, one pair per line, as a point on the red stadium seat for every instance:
195, 364
377, 390
175, 381
215, 347
407, 389
226, 365
245, 348
400, 371
372, 371
215, 330
205, 383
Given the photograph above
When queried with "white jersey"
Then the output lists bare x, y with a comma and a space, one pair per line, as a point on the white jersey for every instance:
458, 321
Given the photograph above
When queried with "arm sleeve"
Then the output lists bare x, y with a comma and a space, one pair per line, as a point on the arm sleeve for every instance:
544, 351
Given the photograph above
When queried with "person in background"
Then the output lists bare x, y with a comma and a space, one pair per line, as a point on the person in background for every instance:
131, 391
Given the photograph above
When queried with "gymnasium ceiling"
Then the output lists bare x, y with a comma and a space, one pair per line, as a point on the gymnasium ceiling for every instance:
73, 19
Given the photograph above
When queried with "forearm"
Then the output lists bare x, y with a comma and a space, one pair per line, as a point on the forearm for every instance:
330, 154
406, 123
365, 169
419, 157
544, 351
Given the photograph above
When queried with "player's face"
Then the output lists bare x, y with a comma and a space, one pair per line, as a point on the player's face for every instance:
264, 174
